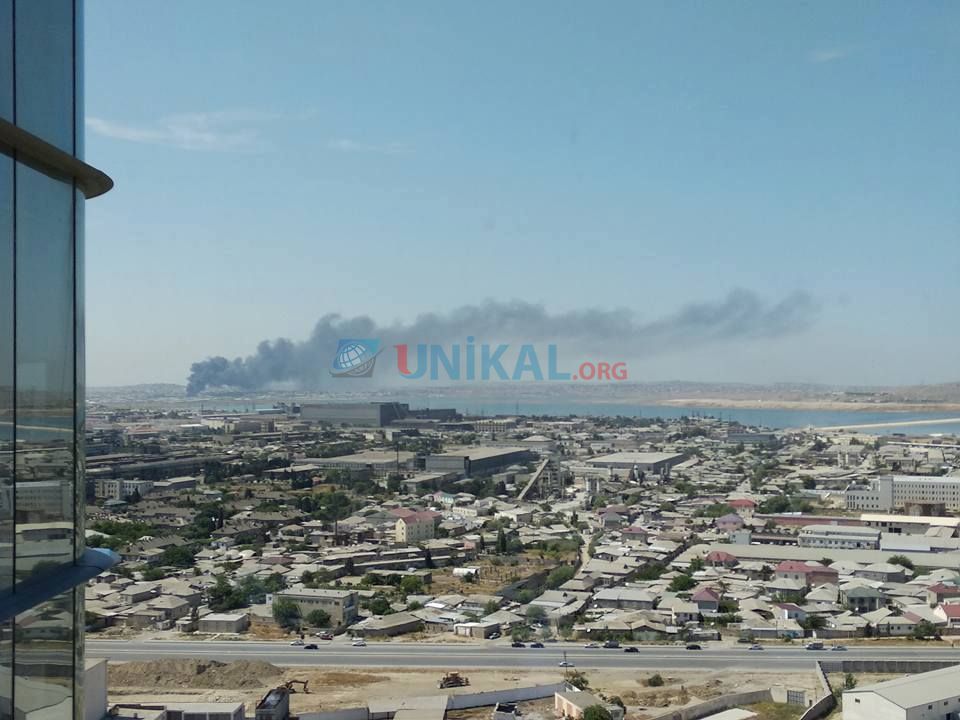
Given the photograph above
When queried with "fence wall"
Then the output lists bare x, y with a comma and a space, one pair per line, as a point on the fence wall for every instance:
717, 704
492, 697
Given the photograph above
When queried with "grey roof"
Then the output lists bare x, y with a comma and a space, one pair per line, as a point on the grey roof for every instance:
915, 690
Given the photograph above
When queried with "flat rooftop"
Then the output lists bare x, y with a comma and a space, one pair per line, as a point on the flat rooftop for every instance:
482, 453
952, 522
637, 458
913, 690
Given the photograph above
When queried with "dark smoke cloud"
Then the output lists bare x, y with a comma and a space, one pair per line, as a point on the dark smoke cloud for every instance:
741, 315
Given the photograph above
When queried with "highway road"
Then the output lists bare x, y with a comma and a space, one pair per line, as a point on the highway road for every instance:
497, 655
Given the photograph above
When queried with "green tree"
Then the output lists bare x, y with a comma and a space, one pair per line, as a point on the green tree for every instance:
901, 560
655, 680
696, 565
411, 585
177, 556
813, 622
223, 596
578, 680
274, 583
681, 583
379, 605
318, 618
286, 613
597, 712
501, 542
558, 576
925, 629
153, 573
535, 613
849, 681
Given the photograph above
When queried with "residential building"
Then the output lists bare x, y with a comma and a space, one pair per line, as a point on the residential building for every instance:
415, 527
224, 623
340, 605
931, 695
43, 187
573, 704
811, 574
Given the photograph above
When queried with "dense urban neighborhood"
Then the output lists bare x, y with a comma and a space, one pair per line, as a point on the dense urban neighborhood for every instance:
353, 523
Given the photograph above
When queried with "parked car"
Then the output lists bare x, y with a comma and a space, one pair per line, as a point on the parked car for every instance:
693, 646
325, 636
494, 636
744, 641
536, 644
311, 646
631, 649
517, 643
755, 646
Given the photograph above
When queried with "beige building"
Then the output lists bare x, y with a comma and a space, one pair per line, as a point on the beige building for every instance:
224, 623
415, 528
573, 704
340, 605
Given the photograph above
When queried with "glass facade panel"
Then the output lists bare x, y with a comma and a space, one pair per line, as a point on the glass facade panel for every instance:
41, 364
44, 659
44, 50
6, 60
44, 462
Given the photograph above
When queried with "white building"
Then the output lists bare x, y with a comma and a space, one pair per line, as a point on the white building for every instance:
928, 696
846, 537
896, 492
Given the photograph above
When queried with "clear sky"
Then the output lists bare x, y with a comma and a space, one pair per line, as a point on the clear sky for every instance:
275, 162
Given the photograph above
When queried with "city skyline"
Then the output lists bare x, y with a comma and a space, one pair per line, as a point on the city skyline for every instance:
386, 162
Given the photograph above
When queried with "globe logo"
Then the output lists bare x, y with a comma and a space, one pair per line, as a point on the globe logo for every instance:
355, 357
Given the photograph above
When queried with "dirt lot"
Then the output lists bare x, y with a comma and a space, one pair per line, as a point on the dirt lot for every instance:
495, 573
198, 681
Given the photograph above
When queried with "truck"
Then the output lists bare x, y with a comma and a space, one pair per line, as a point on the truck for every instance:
815, 645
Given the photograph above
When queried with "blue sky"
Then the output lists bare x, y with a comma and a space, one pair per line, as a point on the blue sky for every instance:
275, 162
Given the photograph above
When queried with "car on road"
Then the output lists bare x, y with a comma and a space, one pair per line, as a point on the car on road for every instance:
536, 645
631, 649
297, 642
756, 646
838, 648
517, 643
814, 646
359, 643
693, 646
592, 645
311, 646
611, 645
564, 663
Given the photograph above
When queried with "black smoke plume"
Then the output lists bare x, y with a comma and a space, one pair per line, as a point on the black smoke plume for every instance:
741, 315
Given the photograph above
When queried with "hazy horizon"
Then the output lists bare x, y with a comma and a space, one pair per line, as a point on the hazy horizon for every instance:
754, 193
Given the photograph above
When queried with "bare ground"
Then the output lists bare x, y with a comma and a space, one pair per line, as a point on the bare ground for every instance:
199, 681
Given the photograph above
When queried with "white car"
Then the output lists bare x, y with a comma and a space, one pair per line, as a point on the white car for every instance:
359, 643
564, 663
592, 645
297, 642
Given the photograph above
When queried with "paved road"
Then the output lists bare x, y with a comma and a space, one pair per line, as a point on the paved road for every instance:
386, 654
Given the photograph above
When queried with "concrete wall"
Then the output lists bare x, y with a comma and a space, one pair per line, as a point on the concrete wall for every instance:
95, 689
826, 702
717, 704
885, 666
346, 714
492, 697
